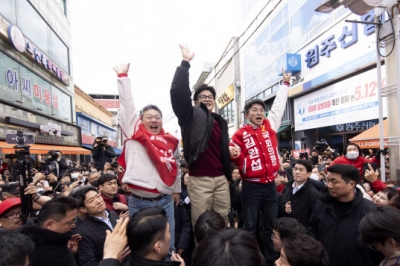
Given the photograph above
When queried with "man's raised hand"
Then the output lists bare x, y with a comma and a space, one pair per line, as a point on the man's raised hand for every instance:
122, 68
286, 76
186, 54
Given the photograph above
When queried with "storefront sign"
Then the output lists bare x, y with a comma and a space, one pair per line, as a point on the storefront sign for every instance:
225, 97
354, 99
51, 128
14, 34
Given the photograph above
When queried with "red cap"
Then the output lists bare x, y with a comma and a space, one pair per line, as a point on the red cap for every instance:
8, 204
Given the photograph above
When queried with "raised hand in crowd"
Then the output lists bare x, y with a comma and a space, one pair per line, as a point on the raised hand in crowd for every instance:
233, 151
122, 69
124, 215
116, 242
74, 242
186, 54
370, 174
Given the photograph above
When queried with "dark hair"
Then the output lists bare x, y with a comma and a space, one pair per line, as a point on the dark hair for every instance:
151, 107
208, 223
250, 104
14, 248
352, 144
306, 164
229, 247
347, 172
390, 192
146, 227
203, 87
56, 208
81, 194
288, 227
303, 250
106, 178
395, 202
380, 224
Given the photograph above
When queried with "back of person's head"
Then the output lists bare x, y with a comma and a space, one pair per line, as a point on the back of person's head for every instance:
56, 209
250, 104
208, 223
390, 192
228, 247
381, 224
15, 249
203, 87
303, 250
347, 172
106, 178
306, 164
395, 202
288, 227
146, 228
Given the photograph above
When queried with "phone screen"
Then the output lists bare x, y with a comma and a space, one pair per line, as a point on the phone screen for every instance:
46, 183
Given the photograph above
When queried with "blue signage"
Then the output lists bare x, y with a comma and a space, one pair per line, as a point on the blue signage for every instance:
292, 64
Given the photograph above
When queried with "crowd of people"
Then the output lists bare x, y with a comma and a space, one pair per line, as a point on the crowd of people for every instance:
222, 201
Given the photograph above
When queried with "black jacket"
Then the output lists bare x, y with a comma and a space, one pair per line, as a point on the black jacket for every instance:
302, 202
136, 261
341, 236
93, 232
50, 247
182, 227
101, 156
196, 122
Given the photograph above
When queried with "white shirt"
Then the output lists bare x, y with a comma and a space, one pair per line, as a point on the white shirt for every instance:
106, 220
295, 189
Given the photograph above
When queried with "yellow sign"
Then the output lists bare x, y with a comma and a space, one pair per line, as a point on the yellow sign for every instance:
225, 97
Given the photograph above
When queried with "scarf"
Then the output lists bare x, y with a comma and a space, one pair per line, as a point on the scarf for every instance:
160, 149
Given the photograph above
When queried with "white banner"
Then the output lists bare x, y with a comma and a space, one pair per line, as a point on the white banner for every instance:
353, 99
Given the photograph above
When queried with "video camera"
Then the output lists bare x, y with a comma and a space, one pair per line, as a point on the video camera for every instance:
101, 140
321, 145
51, 163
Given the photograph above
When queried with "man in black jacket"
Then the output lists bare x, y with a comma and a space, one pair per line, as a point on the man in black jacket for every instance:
205, 143
54, 242
336, 217
93, 228
300, 194
102, 153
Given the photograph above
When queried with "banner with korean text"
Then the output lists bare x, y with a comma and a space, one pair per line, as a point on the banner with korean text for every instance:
353, 99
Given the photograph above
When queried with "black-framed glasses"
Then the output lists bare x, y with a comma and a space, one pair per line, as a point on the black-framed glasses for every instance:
205, 97
13, 216
70, 223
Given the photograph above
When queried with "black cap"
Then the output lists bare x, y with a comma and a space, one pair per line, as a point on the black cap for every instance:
10, 188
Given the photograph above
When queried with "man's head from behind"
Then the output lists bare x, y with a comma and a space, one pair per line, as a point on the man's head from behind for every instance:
283, 228
108, 185
10, 190
208, 223
148, 233
342, 179
10, 214
380, 229
302, 250
151, 118
205, 94
15, 249
255, 111
58, 214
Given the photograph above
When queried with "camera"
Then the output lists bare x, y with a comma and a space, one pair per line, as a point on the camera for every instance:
321, 145
51, 163
101, 140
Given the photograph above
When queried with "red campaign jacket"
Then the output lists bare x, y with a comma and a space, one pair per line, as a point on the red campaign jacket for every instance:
258, 160
358, 163
109, 202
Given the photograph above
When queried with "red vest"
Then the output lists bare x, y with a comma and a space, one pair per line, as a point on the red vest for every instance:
109, 202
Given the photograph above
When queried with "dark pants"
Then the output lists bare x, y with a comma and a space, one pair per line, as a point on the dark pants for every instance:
262, 198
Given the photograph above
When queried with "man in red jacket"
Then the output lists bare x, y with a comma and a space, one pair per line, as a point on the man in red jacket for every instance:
108, 186
254, 149
352, 156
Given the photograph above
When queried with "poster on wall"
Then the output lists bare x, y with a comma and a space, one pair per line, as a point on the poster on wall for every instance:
353, 99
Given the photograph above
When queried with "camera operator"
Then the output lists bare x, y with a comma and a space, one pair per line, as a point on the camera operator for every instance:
55, 163
102, 152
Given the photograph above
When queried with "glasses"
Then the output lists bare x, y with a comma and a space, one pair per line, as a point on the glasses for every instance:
205, 97
299, 169
70, 223
149, 117
13, 216
257, 111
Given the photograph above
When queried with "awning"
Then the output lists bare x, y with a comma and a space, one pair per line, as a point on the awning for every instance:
282, 128
89, 147
369, 139
42, 148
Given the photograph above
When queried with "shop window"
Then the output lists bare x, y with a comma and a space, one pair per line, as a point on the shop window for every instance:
7, 10
58, 51
295, 4
279, 19
228, 113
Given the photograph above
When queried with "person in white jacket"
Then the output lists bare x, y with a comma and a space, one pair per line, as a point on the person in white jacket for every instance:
150, 156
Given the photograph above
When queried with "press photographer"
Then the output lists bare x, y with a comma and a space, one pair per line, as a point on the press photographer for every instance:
55, 163
102, 152
322, 148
